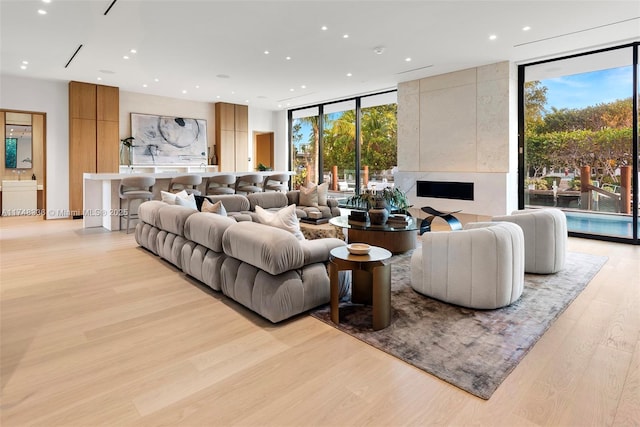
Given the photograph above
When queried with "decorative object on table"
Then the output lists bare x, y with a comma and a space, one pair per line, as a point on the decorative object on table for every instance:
263, 168
315, 221
358, 218
474, 350
126, 149
453, 222
168, 140
397, 220
395, 199
358, 248
378, 214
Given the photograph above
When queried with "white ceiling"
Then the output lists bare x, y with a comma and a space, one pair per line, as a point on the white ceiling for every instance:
186, 43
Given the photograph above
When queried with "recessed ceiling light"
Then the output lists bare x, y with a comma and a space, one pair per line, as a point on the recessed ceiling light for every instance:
184, 91
246, 100
279, 105
99, 78
42, 11
217, 96
378, 50
303, 86
324, 28
156, 80
493, 37
233, 92
24, 67
133, 51
25, 62
407, 59
345, 36
266, 52
291, 90
526, 28
46, 1
288, 58
349, 74
197, 86
125, 57
144, 85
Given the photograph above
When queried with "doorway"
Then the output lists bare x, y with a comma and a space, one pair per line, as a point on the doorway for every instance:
263, 149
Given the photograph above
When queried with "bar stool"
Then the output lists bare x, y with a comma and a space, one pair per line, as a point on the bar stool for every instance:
220, 184
134, 188
189, 183
249, 183
277, 182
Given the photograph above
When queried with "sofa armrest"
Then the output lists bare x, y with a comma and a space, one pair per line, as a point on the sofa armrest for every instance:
332, 203
318, 250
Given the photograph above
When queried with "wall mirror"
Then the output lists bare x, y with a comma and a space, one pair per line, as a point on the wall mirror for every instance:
18, 147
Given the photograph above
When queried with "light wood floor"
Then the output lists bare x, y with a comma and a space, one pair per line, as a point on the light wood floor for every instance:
96, 331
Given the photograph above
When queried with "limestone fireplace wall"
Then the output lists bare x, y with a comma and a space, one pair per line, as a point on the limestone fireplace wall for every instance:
461, 127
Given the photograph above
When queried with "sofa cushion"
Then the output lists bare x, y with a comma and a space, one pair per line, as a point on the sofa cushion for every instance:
231, 202
267, 200
285, 219
148, 212
268, 248
173, 217
216, 208
207, 229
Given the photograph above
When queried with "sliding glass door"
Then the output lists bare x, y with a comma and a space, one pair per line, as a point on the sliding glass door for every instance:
580, 140
351, 144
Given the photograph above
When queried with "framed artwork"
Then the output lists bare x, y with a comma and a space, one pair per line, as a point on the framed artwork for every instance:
161, 140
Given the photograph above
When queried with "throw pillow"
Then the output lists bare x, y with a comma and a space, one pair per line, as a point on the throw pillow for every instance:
323, 191
309, 196
285, 219
189, 201
170, 198
216, 208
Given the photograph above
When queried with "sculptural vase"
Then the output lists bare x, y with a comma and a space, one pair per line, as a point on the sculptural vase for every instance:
378, 216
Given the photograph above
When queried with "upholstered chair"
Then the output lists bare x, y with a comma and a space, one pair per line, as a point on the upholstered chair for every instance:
134, 188
277, 182
189, 183
480, 267
247, 184
221, 184
545, 238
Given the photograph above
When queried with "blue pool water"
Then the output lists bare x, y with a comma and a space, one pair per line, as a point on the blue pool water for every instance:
609, 225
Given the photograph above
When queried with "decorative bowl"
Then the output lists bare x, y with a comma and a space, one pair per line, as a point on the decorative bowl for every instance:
358, 248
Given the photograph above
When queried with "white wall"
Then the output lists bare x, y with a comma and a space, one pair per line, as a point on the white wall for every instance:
52, 98
461, 127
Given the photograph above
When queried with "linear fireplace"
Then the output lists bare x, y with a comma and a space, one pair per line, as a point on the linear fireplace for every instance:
445, 190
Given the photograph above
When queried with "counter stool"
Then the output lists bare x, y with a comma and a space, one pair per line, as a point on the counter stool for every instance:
249, 183
134, 188
277, 182
220, 184
189, 183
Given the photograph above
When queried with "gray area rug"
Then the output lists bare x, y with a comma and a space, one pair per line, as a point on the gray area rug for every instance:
474, 350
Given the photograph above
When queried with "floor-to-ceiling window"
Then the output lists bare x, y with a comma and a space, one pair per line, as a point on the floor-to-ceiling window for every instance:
580, 140
351, 144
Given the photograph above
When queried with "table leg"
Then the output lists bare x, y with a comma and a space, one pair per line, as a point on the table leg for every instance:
381, 296
334, 289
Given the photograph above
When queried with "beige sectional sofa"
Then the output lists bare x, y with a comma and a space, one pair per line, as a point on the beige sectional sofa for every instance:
264, 268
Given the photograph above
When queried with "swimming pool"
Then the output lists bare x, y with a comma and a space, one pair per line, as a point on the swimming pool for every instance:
592, 223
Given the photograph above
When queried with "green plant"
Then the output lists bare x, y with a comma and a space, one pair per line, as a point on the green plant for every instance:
263, 168
391, 198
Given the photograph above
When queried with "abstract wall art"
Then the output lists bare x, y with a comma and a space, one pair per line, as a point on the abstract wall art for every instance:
161, 140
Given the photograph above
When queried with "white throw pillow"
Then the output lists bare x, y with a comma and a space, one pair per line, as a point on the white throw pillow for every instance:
309, 196
216, 208
323, 192
189, 201
170, 198
285, 219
